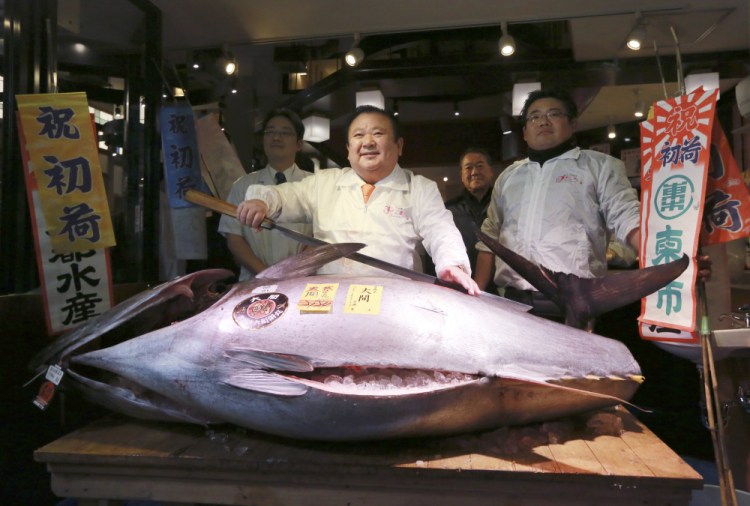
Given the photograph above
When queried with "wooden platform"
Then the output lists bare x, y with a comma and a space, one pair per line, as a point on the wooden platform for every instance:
118, 458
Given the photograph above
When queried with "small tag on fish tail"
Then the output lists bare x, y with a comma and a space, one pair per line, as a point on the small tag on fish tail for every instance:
45, 394
54, 374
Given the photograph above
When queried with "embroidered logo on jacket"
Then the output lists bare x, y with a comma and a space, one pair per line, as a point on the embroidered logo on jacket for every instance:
396, 212
568, 178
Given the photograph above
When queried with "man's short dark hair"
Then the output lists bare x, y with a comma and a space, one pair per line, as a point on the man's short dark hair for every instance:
563, 96
364, 109
477, 150
299, 127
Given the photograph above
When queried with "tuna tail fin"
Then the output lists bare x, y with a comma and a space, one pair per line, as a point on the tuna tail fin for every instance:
308, 261
582, 299
586, 298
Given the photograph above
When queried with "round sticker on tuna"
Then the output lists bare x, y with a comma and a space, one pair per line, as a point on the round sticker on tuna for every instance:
260, 310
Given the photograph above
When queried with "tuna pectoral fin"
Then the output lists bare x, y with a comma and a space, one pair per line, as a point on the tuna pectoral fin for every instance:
250, 369
265, 382
309, 261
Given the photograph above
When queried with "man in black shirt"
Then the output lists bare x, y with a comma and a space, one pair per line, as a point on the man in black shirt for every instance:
471, 206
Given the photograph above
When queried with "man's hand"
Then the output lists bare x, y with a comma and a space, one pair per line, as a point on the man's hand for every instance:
252, 213
455, 274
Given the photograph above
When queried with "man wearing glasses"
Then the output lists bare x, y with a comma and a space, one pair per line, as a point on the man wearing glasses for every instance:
282, 139
558, 206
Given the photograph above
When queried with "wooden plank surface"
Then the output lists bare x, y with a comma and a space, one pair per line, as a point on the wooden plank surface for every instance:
580, 461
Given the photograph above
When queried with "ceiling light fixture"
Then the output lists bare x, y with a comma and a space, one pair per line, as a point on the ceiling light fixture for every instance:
611, 132
355, 55
637, 35
456, 112
317, 128
227, 62
370, 97
395, 107
507, 44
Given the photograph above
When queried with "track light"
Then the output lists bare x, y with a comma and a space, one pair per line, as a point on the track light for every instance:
355, 55
456, 112
227, 63
635, 39
507, 44
611, 132
395, 107
637, 35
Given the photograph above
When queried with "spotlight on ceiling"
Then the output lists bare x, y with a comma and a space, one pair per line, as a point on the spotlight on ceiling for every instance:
507, 44
355, 55
637, 35
456, 111
611, 132
227, 63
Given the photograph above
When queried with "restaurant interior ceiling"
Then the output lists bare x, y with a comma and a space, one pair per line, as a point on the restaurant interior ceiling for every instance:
430, 58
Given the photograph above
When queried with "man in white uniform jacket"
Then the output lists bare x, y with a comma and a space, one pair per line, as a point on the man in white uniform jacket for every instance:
402, 211
282, 140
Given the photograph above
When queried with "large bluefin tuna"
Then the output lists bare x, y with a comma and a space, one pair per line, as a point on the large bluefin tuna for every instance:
415, 359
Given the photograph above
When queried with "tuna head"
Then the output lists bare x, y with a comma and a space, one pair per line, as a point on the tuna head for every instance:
388, 357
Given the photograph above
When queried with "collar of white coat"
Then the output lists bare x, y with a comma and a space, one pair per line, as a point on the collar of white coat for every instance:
574, 153
396, 180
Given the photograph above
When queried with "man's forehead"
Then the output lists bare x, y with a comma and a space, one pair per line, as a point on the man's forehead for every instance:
280, 122
473, 159
546, 104
371, 118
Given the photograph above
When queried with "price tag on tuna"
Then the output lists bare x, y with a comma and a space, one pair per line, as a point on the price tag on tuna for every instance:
364, 299
318, 298
54, 374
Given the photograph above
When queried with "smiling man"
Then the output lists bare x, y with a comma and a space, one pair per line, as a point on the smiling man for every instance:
374, 201
558, 206
470, 208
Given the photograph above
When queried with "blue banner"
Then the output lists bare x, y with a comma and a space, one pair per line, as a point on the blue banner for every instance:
182, 169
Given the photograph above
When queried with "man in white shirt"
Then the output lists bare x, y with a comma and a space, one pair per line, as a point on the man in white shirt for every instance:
375, 202
255, 250
557, 207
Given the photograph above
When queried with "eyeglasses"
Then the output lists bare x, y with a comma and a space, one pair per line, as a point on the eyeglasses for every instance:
282, 133
552, 114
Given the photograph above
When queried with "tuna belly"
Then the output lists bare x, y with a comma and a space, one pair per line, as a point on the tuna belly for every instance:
478, 404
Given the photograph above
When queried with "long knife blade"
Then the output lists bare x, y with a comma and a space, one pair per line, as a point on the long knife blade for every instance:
224, 207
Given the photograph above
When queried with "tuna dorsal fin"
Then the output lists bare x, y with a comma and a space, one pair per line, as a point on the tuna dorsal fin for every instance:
583, 299
540, 277
309, 261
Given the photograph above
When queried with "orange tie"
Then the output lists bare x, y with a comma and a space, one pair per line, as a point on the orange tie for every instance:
367, 190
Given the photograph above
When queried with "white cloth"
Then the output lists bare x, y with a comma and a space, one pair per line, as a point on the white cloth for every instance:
270, 246
561, 215
403, 211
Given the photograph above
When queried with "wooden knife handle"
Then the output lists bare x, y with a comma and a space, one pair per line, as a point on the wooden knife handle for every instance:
211, 202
